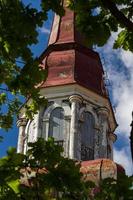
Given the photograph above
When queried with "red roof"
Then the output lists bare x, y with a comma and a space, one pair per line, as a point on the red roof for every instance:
68, 61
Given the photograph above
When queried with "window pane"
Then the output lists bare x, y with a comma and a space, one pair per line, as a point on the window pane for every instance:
87, 137
56, 124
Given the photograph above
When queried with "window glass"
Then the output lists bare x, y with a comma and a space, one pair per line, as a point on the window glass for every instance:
56, 124
87, 137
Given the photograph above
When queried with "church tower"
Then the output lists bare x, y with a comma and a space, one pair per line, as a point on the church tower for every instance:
79, 114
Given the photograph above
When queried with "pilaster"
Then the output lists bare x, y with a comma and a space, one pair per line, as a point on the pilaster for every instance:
103, 114
74, 142
21, 124
67, 135
112, 139
97, 141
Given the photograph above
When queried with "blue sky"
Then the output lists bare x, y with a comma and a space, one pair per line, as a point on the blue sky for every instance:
10, 137
119, 66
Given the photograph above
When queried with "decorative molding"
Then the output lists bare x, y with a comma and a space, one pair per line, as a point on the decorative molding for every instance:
22, 122
89, 97
103, 111
76, 98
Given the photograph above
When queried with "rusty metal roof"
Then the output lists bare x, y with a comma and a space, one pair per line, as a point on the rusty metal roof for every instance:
67, 59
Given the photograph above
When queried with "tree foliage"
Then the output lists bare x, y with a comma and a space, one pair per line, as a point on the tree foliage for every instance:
111, 189
43, 174
20, 71
98, 18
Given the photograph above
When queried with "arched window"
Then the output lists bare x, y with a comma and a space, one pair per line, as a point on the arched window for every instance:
87, 137
56, 124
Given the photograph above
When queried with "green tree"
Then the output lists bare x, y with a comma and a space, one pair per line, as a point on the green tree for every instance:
20, 71
98, 18
111, 189
46, 175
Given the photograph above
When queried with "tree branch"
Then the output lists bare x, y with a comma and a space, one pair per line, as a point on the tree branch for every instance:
121, 18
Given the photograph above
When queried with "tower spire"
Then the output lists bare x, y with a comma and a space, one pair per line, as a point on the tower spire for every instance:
68, 60
64, 29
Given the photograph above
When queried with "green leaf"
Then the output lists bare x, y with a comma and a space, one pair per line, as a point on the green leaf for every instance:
6, 46
11, 151
14, 184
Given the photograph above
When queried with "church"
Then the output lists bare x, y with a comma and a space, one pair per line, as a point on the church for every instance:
79, 114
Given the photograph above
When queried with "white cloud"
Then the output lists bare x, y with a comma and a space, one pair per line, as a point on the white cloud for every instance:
119, 65
127, 58
122, 90
44, 30
122, 157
